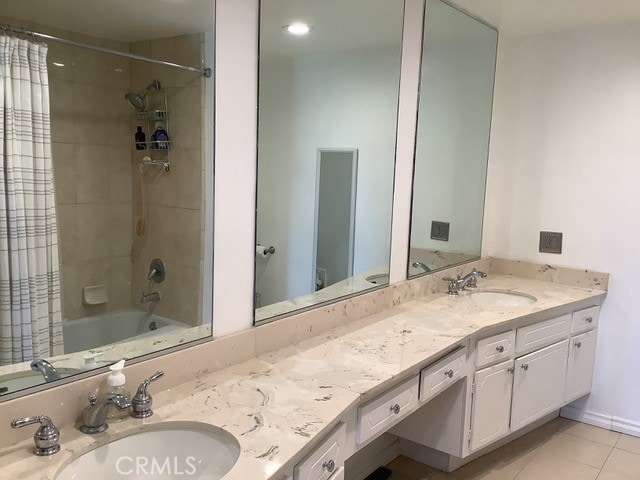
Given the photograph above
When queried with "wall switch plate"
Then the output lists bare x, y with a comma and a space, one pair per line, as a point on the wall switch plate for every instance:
440, 231
550, 242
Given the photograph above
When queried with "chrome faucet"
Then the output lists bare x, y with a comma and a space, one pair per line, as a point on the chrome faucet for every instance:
47, 370
460, 283
46, 437
421, 265
150, 297
94, 417
142, 401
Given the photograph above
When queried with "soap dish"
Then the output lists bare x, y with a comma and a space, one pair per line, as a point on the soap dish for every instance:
94, 295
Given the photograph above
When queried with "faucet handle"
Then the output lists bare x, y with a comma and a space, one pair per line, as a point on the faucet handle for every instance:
46, 437
142, 401
453, 284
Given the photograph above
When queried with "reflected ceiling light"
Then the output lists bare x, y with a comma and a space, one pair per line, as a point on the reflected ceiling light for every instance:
58, 64
297, 28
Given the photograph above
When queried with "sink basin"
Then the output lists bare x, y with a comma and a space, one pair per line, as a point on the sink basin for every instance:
164, 451
502, 298
379, 279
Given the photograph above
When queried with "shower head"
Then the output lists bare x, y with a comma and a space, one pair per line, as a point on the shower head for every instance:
138, 99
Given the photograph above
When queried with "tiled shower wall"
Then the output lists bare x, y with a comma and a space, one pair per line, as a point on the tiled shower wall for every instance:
97, 181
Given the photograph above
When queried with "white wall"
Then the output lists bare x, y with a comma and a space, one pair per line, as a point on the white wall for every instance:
565, 156
340, 100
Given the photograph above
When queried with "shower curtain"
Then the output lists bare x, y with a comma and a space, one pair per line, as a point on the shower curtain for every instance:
30, 314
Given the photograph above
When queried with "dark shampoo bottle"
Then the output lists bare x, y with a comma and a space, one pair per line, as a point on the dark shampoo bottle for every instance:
141, 139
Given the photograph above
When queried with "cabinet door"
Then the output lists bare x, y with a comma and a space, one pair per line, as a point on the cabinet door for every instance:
539, 384
582, 356
491, 404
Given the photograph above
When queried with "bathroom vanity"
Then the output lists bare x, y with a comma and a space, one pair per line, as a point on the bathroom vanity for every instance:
449, 377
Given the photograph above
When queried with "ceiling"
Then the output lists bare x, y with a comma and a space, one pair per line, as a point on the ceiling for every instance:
525, 17
123, 20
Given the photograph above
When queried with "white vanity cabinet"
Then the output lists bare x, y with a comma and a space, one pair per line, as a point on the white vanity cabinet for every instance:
582, 357
326, 461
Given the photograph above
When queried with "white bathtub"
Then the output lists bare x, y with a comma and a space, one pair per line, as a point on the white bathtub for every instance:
109, 328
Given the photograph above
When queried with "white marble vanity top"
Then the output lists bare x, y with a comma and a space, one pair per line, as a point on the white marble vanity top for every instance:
281, 403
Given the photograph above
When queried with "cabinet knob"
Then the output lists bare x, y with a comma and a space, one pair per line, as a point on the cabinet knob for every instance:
578, 344
329, 466
395, 408
449, 373
500, 348
589, 319
525, 366
511, 369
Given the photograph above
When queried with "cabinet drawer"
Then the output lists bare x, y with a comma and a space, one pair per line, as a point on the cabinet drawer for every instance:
584, 320
493, 349
542, 334
327, 458
380, 413
437, 377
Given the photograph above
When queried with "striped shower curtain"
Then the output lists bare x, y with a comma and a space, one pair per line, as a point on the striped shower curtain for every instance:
30, 316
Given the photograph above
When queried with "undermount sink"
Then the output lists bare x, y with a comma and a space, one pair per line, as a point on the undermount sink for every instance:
379, 279
162, 452
502, 298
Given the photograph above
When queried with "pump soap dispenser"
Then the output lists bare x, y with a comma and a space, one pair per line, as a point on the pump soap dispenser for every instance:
116, 385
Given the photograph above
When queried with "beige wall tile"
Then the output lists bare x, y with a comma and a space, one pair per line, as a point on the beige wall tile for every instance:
161, 186
629, 443
64, 170
185, 130
67, 236
92, 174
160, 236
184, 101
71, 294
91, 115
120, 181
188, 237
187, 170
61, 101
60, 61
92, 231
577, 449
119, 230
589, 432
119, 284
623, 463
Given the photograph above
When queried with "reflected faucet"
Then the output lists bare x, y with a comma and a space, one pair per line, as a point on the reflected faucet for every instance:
150, 297
421, 265
47, 370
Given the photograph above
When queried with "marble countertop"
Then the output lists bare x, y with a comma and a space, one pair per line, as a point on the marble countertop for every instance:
280, 403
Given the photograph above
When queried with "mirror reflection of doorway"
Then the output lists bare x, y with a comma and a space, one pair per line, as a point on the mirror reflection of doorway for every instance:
334, 216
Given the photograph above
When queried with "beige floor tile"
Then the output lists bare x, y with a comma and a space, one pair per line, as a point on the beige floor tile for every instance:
629, 443
623, 463
550, 467
589, 432
411, 469
501, 464
540, 435
612, 476
577, 449
399, 476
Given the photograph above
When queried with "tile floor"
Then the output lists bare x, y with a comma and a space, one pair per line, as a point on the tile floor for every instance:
560, 450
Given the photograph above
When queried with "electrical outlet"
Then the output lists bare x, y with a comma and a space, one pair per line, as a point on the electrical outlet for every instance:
550, 242
440, 231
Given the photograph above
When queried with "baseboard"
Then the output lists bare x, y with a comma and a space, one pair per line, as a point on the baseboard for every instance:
616, 424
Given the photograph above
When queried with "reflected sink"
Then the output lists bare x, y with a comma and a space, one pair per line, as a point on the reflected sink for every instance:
502, 298
14, 382
379, 279
162, 452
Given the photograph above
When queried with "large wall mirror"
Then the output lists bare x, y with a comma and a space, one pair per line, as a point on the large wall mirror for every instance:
454, 117
112, 262
328, 100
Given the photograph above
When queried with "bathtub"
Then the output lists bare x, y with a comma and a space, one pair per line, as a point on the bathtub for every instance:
116, 327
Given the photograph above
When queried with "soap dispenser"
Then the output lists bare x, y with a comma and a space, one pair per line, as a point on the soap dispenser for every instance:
116, 385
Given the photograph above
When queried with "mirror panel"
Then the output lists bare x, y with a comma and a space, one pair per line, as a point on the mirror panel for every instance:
122, 200
328, 104
452, 143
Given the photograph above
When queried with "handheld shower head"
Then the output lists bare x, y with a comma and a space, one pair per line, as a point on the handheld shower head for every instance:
138, 99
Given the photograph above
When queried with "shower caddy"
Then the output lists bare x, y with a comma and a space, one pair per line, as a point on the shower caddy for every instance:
149, 118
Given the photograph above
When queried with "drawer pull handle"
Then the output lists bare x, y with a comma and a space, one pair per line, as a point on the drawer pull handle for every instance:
511, 369
395, 408
578, 344
525, 366
589, 319
449, 373
329, 466
500, 348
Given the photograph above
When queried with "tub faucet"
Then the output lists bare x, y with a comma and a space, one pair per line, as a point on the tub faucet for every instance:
150, 297
421, 265
94, 417
47, 370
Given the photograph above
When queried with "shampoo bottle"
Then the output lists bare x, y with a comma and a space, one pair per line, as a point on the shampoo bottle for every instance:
116, 385
140, 138
160, 137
